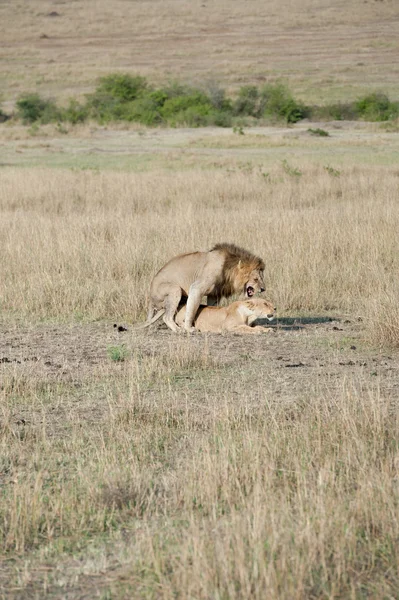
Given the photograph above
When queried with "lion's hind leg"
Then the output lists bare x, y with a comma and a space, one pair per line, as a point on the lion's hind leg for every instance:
171, 304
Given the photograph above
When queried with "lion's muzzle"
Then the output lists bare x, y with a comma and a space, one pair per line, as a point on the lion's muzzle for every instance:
250, 291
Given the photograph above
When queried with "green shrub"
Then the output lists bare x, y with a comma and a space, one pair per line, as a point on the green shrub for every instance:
176, 89
75, 112
193, 116
103, 107
339, 111
277, 102
123, 97
122, 86
377, 107
220, 118
248, 102
158, 98
114, 93
319, 132
144, 110
31, 108
178, 104
217, 97
189, 110
147, 109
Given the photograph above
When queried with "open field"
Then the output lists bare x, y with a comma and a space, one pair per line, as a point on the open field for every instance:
152, 465
139, 149
200, 466
325, 50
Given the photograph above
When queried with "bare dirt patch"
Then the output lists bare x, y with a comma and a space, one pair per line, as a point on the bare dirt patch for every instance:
302, 356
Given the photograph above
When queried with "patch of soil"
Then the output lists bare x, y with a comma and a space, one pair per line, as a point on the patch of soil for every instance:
299, 355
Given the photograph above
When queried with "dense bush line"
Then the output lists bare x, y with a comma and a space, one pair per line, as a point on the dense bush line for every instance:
123, 97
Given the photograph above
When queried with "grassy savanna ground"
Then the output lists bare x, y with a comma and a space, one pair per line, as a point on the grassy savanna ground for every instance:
200, 466
139, 149
325, 50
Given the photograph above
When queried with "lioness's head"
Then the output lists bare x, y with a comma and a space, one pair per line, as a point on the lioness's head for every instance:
260, 309
255, 283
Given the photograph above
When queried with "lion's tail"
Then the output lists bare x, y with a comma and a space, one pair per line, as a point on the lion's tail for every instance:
151, 321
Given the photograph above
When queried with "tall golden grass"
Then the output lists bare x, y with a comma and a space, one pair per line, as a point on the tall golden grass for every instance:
86, 244
213, 499
164, 485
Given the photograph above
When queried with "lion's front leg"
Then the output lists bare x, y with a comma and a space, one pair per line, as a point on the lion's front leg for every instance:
195, 294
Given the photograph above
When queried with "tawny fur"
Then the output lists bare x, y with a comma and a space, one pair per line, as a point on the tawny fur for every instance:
235, 318
225, 270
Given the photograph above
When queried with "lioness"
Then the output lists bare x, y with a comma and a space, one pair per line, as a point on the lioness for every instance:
237, 317
224, 270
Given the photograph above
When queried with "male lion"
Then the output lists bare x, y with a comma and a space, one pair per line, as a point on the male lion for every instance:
224, 270
235, 318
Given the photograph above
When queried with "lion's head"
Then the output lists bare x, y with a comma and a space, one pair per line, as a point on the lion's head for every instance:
242, 271
254, 283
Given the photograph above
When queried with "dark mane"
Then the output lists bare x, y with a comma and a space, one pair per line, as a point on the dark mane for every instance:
237, 263
234, 254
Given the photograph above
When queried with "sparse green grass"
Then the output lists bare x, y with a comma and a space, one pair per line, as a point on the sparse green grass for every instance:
118, 353
331, 171
135, 149
290, 170
318, 131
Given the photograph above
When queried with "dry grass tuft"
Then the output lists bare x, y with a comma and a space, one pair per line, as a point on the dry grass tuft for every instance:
299, 500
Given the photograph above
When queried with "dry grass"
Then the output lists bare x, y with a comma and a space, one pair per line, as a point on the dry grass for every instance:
87, 243
212, 499
335, 49
180, 473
